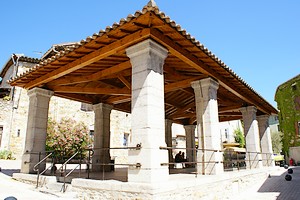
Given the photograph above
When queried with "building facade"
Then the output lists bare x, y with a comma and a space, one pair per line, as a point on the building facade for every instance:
288, 102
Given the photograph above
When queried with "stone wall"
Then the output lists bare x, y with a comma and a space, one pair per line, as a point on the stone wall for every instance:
5, 116
180, 186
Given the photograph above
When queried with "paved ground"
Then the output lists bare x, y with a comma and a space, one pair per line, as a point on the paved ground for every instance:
10, 187
273, 188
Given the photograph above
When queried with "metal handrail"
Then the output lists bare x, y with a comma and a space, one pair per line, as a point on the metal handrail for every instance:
63, 171
137, 147
38, 170
237, 161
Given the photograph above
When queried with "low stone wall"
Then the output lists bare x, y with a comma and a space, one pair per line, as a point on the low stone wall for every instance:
32, 178
179, 186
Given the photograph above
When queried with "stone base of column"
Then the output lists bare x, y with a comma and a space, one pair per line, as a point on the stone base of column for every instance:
151, 170
148, 175
96, 164
29, 161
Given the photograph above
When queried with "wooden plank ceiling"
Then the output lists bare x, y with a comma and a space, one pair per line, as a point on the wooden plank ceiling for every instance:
97, 70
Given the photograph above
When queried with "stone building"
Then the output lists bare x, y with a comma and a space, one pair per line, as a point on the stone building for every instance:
288, 102
14, 103
147, 65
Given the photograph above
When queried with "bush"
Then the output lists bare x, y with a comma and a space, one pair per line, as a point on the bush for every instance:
6, 155
67, 137
239, 137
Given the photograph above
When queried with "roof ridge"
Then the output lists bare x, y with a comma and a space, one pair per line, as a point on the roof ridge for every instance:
151, 3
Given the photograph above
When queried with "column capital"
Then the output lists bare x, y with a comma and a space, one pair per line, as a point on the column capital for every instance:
189, 127
145, 47
168, 122
207, 82
263, 117
248, 109
206, 88
40, 91
102, 106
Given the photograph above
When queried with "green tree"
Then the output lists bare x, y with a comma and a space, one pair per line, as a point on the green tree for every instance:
67, 137
276, 141
239, 137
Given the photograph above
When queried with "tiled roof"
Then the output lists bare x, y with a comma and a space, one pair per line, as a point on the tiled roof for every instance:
150, 7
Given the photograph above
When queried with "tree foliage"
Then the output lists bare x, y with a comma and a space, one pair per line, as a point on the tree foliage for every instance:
276, 141
239, 137
67, 137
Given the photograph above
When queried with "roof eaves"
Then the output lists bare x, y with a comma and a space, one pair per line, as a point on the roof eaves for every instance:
205, 50
149, 7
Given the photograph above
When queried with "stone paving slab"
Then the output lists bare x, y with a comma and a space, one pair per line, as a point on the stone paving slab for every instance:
22, 191
275, 187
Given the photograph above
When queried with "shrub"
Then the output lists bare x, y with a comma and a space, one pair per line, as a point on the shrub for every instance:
6, 155
67, 137
239, 137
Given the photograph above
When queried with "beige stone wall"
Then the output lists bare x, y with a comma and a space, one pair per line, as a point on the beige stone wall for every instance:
120, 125
14, 114
5, 115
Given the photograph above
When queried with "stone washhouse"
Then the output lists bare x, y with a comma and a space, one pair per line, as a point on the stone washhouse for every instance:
147, 65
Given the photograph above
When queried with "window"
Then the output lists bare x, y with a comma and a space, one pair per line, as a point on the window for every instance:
125, 139
294, 86
226, 133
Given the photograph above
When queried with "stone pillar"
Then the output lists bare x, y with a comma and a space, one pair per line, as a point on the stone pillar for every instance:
148, 114
253, 158
265, 141
168, 139
208, 127
190, 143
101, 137
36, 132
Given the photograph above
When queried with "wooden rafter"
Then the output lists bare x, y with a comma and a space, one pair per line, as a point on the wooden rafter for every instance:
124, 81
91, 90
91, 57
94, 77
180, 84
191, 60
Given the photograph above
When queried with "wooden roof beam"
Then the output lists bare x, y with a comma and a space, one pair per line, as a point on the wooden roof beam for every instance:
118, 100
191, 60
180, 84
124, 81
94, 77
91, 90
75, 97
91, 57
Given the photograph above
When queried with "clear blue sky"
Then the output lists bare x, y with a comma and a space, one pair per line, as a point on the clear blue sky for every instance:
258, 39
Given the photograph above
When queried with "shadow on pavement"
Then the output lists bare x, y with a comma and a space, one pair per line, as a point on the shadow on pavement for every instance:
287, 189
9, 172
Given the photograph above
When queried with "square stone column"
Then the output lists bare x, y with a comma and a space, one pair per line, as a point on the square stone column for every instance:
147, 112
209, 150
253, 156
168, 139
265, 141
190, 143
36, 132
101, 137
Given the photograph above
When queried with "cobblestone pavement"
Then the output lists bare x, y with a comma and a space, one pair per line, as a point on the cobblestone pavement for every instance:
275, 188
